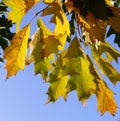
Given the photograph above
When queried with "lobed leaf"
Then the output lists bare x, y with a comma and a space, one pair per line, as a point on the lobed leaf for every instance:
105, 99
15, 53
18, 9
59, 19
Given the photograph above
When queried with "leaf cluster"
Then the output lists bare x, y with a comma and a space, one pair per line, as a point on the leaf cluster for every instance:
80, 25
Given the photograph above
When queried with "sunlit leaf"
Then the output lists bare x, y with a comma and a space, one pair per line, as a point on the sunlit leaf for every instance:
59, 18
18, 10
84, 82
81, 78
41, 64
15, 54
57, 87
105, 99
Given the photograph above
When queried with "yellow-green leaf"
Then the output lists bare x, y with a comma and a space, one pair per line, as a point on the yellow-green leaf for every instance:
83, 83
107, 69
57, 87
104, 64
78, 67
43, 44
15, 53
105, 99
74, 50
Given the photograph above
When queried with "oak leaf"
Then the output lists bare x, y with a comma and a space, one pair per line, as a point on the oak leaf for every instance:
59, 19
104, 64
18, 10
105, 99
15, 53
57, 87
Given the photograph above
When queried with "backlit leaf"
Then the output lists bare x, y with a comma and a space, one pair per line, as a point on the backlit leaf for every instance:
84, 82
104, 65
105, 99
15, 53
18, 9
57, 87
41, 64
59, 18
79, 68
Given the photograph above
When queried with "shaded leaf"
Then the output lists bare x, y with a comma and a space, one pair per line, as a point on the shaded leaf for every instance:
30, 3
108, 49
107, 69
114, 21
117, 35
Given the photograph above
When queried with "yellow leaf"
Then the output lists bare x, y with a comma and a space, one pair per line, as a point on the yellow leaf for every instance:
15, 53
48, 1
51, 45
18, 9
109, 3
59, 18
105, 99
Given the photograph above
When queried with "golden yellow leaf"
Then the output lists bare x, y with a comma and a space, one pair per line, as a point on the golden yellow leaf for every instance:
51, 45
105, 99
15, 53
59, 18
18, 9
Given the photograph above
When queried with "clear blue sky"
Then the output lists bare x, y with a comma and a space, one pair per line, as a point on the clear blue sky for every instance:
22, 98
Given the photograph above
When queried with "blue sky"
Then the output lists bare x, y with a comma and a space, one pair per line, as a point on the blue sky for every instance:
23, 97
